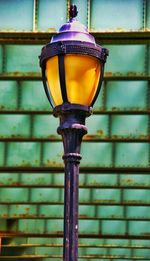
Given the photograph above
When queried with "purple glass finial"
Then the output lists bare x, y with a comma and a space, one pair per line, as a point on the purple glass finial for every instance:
73, 11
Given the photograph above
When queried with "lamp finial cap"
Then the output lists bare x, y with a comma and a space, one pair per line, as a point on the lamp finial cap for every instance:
73, 12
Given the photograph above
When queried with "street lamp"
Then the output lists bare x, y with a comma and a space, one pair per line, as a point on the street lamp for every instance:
73, 65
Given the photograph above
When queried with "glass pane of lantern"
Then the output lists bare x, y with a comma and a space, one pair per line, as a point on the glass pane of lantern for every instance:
79, 70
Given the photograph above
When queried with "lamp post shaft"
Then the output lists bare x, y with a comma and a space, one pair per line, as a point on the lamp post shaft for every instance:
72, 128
71, 208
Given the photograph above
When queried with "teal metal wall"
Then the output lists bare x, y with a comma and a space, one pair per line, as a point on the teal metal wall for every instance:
115, 170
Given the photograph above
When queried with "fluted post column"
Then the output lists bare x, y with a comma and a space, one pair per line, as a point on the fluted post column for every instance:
72, 128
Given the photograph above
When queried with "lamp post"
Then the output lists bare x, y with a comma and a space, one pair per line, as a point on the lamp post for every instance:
73, 65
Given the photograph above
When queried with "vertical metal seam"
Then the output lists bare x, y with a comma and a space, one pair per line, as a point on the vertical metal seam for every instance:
144, 15
19, 94
104, 94
113, 143
35, 15
6, 144
125, 217
41, 153
45, 226
96, 211
3, 58
68, 8
31, 124
100, 226
29, 195
88, 14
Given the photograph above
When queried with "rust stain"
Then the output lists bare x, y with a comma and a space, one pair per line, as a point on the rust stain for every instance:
108, 74
83, 216
104, 201
115, 109
52, 29
100, 132
5, 216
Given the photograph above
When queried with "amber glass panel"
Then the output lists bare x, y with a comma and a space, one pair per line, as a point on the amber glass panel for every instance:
52, 73
82, 74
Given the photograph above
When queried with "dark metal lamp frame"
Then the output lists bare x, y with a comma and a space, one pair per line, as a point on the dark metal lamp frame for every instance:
72, 128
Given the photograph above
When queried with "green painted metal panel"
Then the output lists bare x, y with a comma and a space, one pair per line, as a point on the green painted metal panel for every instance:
46, 195
86, 211
106, 195
13, 195
134, 180
101, 180
126, 59
51, 211
53, 16
9, 95
139, 227
2, 150
96, 154
9, 179
89, 226
98, 125
126, 95
49, 15
116, 15
110, 212
136, 195
52, 155
129, 126
14, 126
22, 211
37, 179
99, 104
25, 154
138, 212
50, 124
114, 227
31, 226
28, 58
139, 152
148, 14
1, 59
20, 14
31, 99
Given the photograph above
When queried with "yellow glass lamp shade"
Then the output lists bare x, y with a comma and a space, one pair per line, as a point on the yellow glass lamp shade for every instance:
82, 73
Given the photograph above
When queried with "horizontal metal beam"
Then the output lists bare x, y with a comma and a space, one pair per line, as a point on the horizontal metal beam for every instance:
8, 234
83, 203
95, 112
19, 185
87, 138
87, 257
137, 37
93, 170
16, 218
107, 77
105, 246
